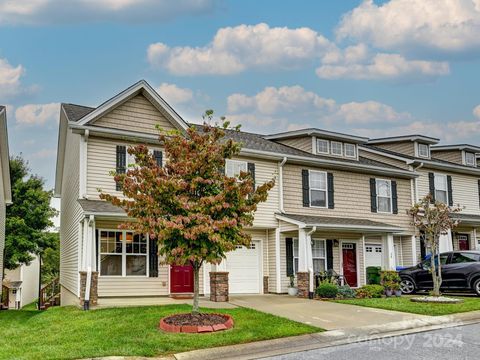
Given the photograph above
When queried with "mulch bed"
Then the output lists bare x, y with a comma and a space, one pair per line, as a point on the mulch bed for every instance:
199, 323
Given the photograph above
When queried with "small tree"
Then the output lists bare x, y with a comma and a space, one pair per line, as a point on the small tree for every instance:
195, 212
434, 219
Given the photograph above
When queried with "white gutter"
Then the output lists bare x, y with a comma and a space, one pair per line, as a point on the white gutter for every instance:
86, 305
280, 184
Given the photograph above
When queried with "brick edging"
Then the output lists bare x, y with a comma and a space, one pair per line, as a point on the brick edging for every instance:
228, 324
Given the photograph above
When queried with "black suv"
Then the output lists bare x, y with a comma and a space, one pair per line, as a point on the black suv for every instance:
460, 272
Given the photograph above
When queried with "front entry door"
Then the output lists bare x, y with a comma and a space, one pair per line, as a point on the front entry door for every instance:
462, 242
181, 279
349, 256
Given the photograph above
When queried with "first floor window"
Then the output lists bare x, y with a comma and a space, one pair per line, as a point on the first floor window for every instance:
318, 188
123, 253
441, 194
234, 167
295, 255
322, 146
470, 159
318, 255
384, 196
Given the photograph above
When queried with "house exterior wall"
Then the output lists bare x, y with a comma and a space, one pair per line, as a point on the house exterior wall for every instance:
2, 222
70, 216
454, 156
352, 196
398, 163
404, 147
137, 115
301, 143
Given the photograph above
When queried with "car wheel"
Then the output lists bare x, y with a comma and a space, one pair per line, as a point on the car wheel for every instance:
407, 286
476, 287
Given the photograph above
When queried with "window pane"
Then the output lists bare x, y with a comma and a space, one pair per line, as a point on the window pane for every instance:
350, 150
322, 146
111, 265
383, 188
233, 167
336, 148
423, 150
384, 204
318, 248
318, 180
441, 182
295, 247
318, 198
318, 265
470, 158
295, 265
136, 265
441, 196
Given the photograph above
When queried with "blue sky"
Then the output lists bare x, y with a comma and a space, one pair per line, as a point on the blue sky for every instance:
372, 68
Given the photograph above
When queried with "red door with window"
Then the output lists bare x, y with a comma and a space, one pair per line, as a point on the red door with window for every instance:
349, 264
463, 242
181, 279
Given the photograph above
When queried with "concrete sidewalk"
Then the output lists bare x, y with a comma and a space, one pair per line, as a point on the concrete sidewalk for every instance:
323, 314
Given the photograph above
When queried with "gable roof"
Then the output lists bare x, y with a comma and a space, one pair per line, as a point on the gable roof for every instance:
413, 137
5, 156
76, 112
459, 147
317, 132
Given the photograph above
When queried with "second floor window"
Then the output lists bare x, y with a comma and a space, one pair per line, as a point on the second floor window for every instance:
384, 196
337, 148
441, 189
234, 167
318, 188
470, 159
350, 150
423, 150
322, 146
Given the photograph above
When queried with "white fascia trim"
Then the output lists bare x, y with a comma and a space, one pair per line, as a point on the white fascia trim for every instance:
445, 167
290, 221
114, 133
5, 157
422, 138
105, 215
467, 147
127, 93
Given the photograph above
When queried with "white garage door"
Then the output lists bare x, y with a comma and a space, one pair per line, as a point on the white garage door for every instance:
243, 266
373, 255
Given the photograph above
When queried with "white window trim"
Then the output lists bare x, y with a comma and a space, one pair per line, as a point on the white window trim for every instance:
323, 152
324, 258
418, 151
446, 186
310, 188
474, 158
341, 148
354, 150
235, 161
312, 240
123, 255
391, 196
293, 253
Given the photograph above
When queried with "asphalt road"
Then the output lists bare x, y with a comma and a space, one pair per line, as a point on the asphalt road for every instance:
456, 343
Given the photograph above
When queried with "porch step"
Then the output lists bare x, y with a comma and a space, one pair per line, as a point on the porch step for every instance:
182, 296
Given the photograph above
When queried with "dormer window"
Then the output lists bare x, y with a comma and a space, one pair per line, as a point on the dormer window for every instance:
423, 150
470, 159
350, 150
336, 148
322, 146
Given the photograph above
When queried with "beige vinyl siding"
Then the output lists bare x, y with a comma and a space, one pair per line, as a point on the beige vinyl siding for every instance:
352, 197
454, 156
261, 235
404, 147
301, 143
384, 159
70, 216
407, 251
271, 255
138, 115
2, 222
464, 190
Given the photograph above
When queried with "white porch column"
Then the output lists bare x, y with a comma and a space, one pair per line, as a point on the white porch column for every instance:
445, 242
475, 241
303, 255
414, 250
390, 261
278, 271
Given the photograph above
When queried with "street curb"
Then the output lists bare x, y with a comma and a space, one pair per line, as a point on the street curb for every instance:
267, 348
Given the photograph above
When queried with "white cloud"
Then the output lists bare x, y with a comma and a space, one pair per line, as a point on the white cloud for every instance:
35, 12
234, 49
476, 112
10, 76
44, 154
379, 67
174, 94
37, 114
369, 112
445, 26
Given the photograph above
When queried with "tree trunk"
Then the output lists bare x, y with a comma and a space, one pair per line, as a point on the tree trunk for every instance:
196, 271
436, 271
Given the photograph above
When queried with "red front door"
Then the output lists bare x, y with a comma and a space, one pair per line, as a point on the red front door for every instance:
349, 264
181, 279
463, 242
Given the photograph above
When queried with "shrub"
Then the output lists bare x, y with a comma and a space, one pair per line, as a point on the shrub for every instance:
389, 279
370, 291
327, 290
345, 292
373, 274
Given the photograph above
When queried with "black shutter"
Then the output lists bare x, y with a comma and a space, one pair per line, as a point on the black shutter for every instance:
289, 255
251, 171
431, 186
157, 154
373, 195
121, 163
450, 191
331, 202
305, 188
394, 197
153, 258
329, 254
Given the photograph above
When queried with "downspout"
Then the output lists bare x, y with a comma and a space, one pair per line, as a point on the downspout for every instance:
309, 257
414, 200
86, 303
280, 184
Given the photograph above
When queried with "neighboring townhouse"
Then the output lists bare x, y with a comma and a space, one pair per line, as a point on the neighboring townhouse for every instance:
22, 284
5, 186
344, 205
448, 172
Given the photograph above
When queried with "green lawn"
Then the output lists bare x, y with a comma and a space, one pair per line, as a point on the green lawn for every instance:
405, 305
70, 333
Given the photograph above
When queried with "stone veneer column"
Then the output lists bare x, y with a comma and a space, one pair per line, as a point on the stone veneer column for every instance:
303, 284
219, 286
93, 288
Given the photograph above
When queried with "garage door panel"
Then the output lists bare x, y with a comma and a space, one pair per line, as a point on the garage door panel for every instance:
373, 255
243, 266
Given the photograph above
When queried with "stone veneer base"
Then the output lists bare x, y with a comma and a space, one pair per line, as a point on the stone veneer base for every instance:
228, 324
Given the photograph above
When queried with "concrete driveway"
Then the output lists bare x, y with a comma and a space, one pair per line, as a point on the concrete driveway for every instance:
324, 314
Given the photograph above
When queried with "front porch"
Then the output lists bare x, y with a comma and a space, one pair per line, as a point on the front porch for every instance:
310, 245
